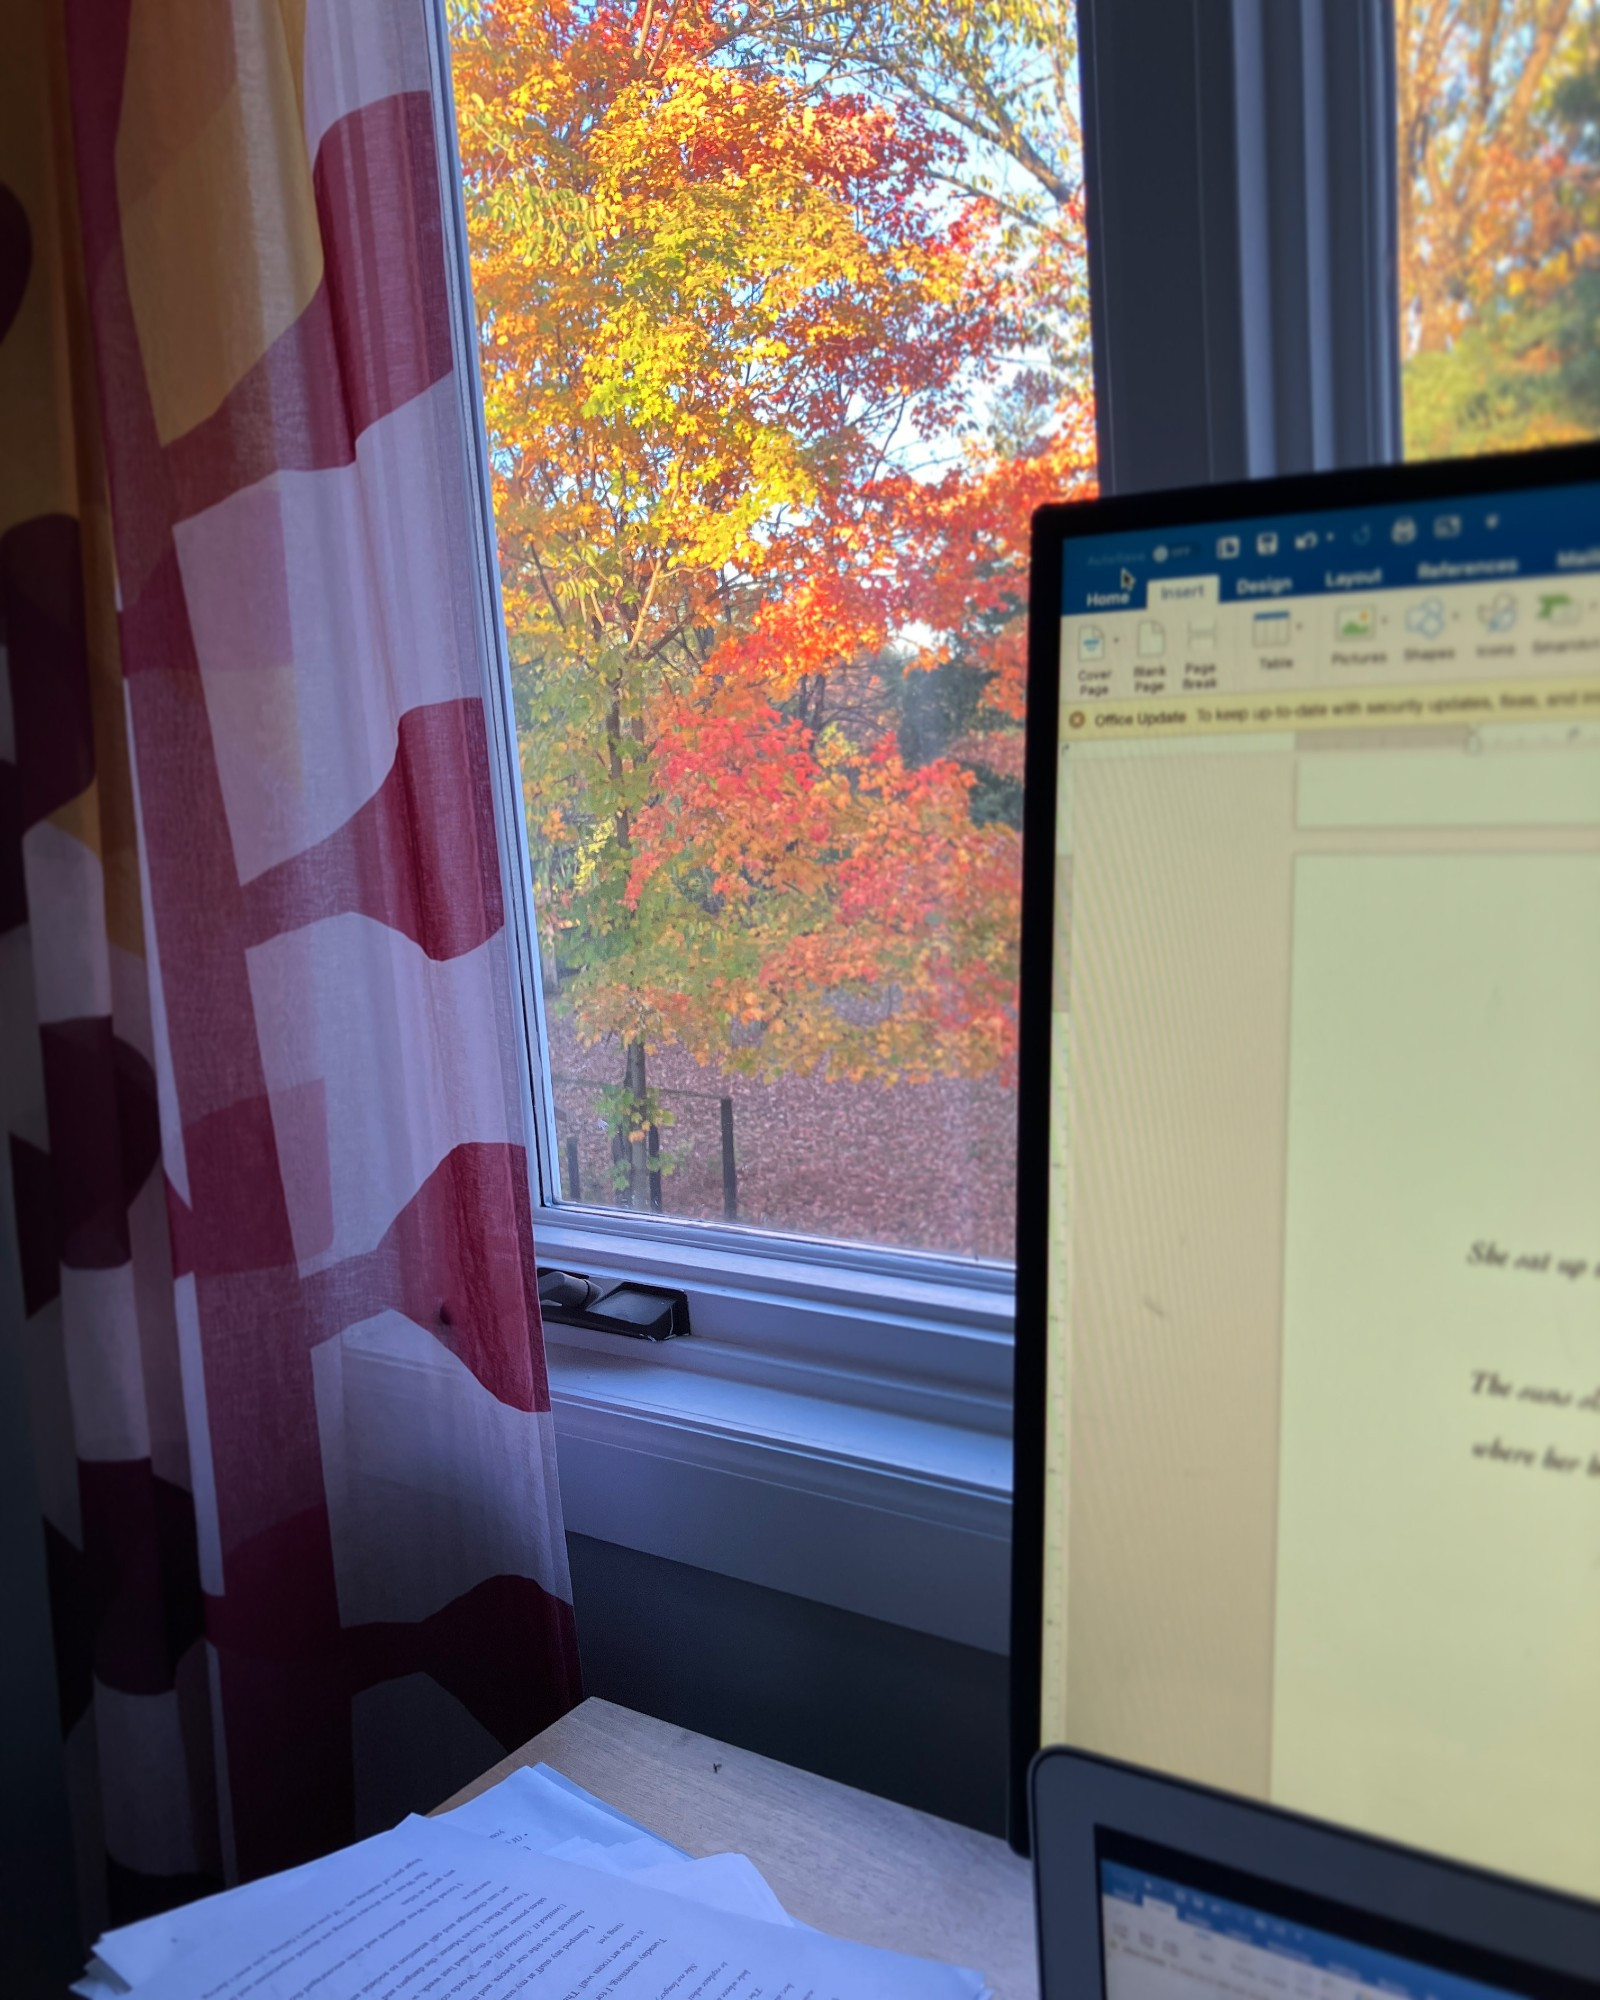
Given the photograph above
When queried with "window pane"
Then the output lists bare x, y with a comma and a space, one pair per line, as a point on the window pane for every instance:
784, 334
1499, 223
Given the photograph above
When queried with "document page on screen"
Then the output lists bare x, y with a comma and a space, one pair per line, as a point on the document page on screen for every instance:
1438, 1601
1322, 1499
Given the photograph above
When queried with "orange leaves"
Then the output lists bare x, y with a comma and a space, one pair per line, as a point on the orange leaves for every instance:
725, 308
739, 799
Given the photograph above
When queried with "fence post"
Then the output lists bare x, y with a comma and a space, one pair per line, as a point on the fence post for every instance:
730, 1171
574, 1191
653, 1155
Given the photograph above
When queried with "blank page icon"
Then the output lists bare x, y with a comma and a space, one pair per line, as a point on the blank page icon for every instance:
1152, 638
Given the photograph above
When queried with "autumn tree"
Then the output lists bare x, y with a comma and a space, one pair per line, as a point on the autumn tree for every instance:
1499, 221
725, 302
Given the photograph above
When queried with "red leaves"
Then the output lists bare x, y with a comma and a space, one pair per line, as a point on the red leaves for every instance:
725, 308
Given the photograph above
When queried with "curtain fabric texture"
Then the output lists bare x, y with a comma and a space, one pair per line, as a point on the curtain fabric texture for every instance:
265, 1228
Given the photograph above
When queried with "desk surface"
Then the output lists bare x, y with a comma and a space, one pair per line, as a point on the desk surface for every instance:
858, 1866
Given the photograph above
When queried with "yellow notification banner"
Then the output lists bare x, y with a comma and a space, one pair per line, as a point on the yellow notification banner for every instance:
1470, 703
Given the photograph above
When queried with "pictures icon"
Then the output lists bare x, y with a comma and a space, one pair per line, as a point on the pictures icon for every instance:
1355, 621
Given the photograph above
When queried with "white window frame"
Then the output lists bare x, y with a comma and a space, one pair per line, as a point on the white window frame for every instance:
838, 1424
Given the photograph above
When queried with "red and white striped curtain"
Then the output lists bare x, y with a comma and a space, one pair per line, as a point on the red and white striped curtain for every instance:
265, 1227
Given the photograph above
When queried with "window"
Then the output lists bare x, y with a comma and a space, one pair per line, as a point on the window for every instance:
1499, 110
783, 333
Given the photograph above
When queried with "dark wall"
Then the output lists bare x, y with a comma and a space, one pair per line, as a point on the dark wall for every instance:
894, 1712
39, 1949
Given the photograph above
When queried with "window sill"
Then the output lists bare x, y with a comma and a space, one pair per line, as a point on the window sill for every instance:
903, 1518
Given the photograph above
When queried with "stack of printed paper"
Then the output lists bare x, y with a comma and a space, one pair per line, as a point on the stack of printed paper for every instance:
532, 1888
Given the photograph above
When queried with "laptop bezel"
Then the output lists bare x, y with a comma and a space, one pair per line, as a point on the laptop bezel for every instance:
1496, 1925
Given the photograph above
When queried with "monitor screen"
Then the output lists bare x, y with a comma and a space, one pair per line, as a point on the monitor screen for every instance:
1315, 1241
1163, 1936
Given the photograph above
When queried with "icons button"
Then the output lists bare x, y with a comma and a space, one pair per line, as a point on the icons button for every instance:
1499, 614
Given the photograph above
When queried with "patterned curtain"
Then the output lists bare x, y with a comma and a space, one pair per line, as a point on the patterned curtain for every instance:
265, 1227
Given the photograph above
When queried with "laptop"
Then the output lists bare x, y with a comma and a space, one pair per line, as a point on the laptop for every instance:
1150, 1888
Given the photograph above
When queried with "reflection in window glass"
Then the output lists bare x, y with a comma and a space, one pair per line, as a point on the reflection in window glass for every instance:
1499, 223
784, 334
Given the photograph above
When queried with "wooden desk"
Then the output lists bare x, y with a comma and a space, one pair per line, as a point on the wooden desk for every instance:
837, 1858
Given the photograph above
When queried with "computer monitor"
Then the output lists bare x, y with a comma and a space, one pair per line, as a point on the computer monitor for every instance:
1308, 1323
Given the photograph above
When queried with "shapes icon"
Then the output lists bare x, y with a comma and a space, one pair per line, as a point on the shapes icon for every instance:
1499, 614
1427, 618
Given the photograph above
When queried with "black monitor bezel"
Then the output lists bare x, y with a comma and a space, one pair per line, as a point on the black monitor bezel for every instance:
1053, 526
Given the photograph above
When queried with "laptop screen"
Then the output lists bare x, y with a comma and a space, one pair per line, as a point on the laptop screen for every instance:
1322, 1449
1163, 1938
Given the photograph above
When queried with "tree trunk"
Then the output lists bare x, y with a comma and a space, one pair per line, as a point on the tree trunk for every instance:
638, 1154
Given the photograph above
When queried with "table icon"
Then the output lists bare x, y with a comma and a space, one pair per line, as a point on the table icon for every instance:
1271, 628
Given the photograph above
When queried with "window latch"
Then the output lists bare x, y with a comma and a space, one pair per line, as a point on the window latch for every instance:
643, 1312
